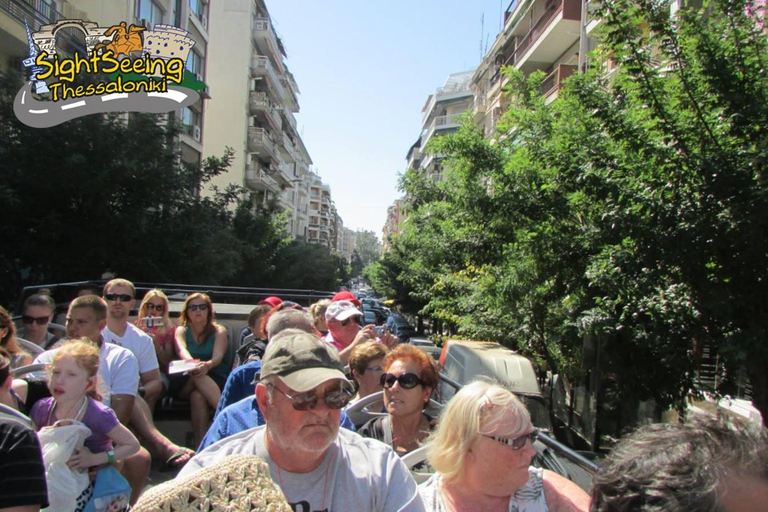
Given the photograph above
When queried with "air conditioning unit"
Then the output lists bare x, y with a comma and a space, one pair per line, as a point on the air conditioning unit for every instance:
196, 133
204, 20
143, 22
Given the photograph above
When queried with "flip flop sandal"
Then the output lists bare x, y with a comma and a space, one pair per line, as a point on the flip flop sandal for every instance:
170, 463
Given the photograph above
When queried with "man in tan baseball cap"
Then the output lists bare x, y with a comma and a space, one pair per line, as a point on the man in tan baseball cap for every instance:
317, 465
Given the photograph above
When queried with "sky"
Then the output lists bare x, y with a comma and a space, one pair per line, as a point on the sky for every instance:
365, 70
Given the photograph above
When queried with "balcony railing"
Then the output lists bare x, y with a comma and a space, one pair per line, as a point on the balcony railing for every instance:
260, 66
259, 138
260, 101
262, 27
439, 123
255, 176
539, 26
554, 80
36, 12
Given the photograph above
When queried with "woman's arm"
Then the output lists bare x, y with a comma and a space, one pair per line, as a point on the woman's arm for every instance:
181, 343
562, 495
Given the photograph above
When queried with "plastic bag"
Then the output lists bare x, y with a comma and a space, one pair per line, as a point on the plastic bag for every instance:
111, 492
58, 443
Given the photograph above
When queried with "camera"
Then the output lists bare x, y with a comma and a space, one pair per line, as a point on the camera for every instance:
379, 331
152, 321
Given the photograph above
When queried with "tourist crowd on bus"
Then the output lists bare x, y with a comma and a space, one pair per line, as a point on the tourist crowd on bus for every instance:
285, 399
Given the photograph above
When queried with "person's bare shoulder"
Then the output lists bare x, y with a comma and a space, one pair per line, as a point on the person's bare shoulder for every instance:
562, 495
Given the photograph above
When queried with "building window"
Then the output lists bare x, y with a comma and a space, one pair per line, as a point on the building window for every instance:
195, 63
190, 119
150, 11
198, 8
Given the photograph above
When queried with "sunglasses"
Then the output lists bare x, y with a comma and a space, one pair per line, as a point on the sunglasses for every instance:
155, 307
195, 307
122, 297
334, 399
518, 442
406, 380
40, 320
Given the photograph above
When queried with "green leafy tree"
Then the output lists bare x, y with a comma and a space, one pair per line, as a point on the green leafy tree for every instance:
628, 213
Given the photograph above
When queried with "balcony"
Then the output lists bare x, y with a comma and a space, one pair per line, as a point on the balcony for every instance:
260, 142
441, 123
289, 150
552, 83
555, 30
258, 180
36, 13
265, 38
260, 102
261, 67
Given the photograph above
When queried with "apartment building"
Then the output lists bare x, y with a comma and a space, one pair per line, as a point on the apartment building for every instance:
442, 114
254, 99
538, 35
190, 15
395, 218
347, 243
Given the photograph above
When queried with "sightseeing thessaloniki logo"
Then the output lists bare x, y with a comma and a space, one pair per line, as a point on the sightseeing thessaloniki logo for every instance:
121, 68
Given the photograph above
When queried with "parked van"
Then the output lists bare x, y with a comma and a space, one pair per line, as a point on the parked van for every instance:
464, 361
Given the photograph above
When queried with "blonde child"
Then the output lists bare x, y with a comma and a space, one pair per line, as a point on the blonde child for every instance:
73, 379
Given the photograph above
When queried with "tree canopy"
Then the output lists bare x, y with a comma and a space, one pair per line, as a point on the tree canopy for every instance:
108, 193
629, 214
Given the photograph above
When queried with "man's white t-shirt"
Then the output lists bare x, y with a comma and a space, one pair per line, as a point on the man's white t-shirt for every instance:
356, 474
118, 371
138, 342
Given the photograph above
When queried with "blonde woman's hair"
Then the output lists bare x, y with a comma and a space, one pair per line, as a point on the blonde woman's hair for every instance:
86, 355
317, 310
151, 294
474, 410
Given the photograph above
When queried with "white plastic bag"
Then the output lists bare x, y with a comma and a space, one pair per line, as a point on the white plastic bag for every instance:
58, 444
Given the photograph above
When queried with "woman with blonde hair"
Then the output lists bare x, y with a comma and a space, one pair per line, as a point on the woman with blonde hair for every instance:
154, 319
201, 338
8, 341
482, 451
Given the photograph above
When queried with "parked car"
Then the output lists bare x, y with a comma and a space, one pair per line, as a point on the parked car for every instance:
427, 346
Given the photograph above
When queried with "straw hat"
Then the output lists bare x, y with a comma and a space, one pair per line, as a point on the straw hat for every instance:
236, 483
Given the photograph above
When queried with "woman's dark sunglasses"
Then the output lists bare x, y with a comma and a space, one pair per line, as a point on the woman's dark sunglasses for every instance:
155, 307
406, 380
195, 307
39, 320
334, 399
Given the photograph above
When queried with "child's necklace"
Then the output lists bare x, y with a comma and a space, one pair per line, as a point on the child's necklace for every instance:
66, 415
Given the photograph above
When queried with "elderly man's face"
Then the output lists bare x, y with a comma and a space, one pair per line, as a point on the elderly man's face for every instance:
299, 432
344, 331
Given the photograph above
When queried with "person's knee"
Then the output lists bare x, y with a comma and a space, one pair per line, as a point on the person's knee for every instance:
196, 399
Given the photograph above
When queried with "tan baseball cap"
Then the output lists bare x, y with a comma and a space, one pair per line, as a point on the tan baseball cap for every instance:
302, 361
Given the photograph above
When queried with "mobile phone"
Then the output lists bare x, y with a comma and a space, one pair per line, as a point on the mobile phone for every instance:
152, 321
379, 331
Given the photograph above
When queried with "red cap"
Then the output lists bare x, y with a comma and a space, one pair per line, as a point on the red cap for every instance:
272, 301
345, 295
